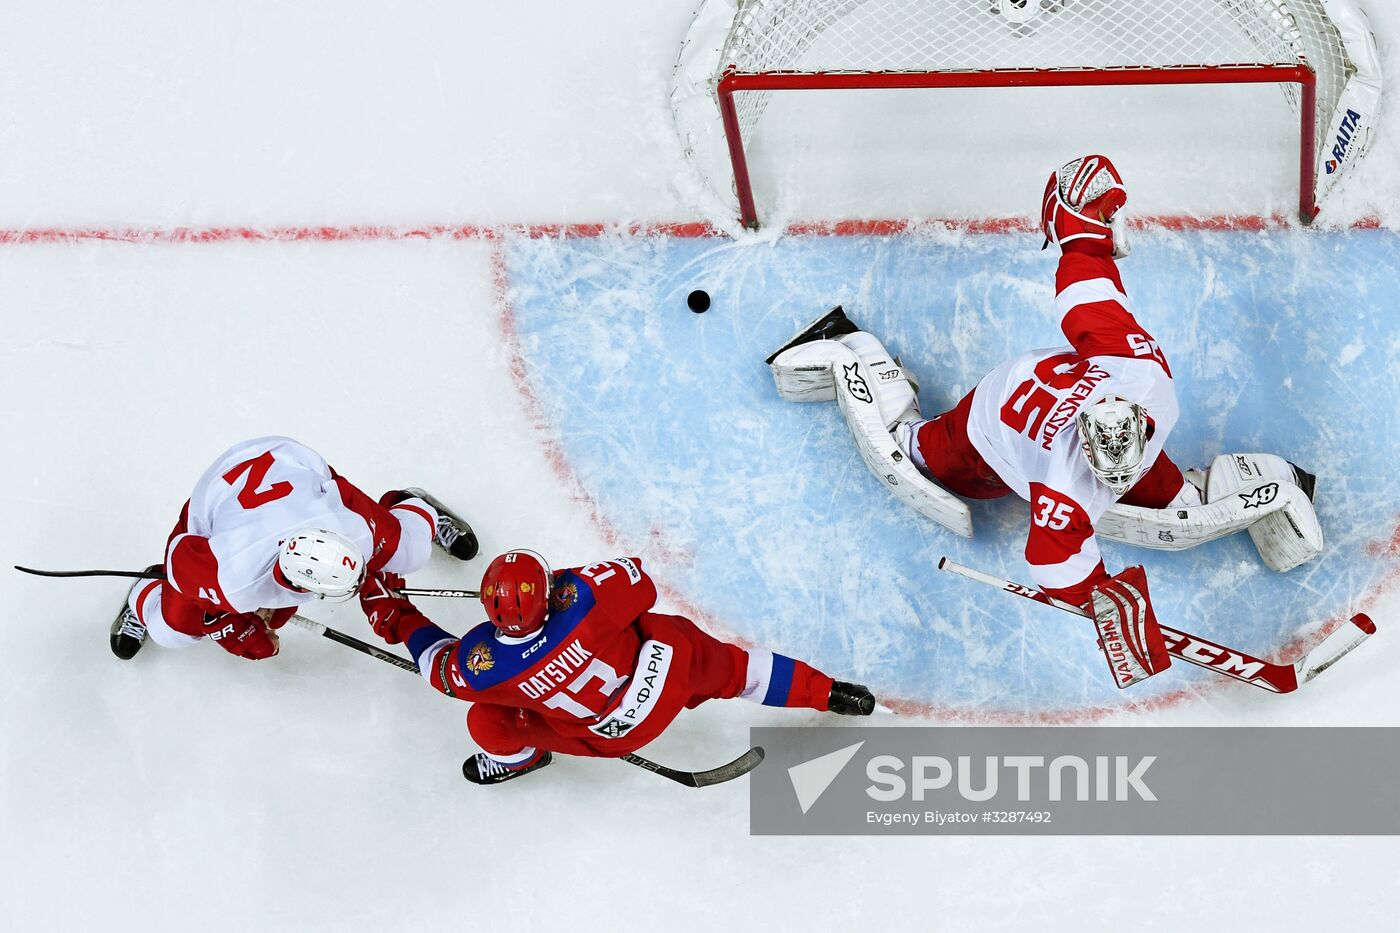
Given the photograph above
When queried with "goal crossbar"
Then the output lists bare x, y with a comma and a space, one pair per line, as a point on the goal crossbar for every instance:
733, 82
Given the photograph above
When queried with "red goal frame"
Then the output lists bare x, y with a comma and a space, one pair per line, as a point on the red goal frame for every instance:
733, 81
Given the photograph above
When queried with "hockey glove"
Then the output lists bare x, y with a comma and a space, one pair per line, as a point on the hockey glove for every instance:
1128, 631
391, 615
243, 634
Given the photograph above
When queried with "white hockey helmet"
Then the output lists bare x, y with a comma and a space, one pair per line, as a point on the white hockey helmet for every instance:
322, 562
1113, 434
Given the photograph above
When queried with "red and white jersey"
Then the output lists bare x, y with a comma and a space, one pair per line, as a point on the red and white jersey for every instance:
223, 555
1022, 419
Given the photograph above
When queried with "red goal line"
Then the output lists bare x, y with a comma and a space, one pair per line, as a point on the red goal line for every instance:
679, 229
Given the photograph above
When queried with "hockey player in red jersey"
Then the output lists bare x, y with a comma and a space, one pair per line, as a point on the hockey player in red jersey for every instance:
1074, 430
576, 662
268, 527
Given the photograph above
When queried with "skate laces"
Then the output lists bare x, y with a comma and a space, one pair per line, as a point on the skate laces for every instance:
131, 626
447, 531
489, 767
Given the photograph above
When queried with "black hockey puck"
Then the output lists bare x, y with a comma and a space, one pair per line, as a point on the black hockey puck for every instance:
698, 301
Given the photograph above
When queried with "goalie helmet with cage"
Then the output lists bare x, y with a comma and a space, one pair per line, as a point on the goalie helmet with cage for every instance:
1082, 209
1113, 434
322, 562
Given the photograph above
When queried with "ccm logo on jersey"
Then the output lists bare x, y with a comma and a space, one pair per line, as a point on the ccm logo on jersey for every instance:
856, 383
1258, 498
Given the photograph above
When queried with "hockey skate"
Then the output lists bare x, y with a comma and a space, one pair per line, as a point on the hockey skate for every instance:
833, 323
848, 699
453, 534
481, 768
128, 634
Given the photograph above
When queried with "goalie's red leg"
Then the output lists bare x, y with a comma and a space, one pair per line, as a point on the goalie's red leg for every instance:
1160, 487
942, 450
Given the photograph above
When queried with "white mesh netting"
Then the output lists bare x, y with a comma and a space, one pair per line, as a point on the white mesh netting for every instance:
984, 35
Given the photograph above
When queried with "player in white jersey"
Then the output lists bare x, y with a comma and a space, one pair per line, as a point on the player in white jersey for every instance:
271, 526
1075, 430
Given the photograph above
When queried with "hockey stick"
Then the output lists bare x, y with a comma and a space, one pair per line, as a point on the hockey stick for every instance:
419, 591
138, 574
737, 768
340, 638
1193, 649
160, 575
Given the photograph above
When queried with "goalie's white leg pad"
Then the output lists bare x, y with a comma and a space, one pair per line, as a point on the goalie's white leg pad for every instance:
1291, 535
1229, 473
825, 369
1288, 533
1253, 491
882, 454
804, 373
809, 372
890, 384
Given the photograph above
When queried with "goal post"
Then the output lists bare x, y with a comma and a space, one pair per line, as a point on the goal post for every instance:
741, 52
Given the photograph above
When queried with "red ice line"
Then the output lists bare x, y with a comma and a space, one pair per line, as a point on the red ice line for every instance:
681, 229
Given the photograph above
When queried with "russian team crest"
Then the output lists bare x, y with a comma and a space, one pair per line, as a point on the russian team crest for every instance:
479, 659
564, 596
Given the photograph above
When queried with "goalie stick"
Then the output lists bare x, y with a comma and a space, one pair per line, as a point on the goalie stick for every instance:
737, 768
1193, 649
160, 575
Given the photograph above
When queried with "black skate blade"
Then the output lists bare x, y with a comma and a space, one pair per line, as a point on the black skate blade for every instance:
833, 323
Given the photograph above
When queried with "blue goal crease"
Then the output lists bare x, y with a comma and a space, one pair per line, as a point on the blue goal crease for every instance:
1283, 341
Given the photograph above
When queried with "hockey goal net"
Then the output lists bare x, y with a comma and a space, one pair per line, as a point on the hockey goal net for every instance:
1322, 54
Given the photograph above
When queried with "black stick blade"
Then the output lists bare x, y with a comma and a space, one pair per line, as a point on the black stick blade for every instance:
137, 574
735, 769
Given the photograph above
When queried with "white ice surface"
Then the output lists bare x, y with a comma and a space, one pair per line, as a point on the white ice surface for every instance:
320, 791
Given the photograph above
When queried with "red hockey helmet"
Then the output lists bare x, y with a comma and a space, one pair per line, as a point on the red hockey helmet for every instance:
515, 591
1080, 203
